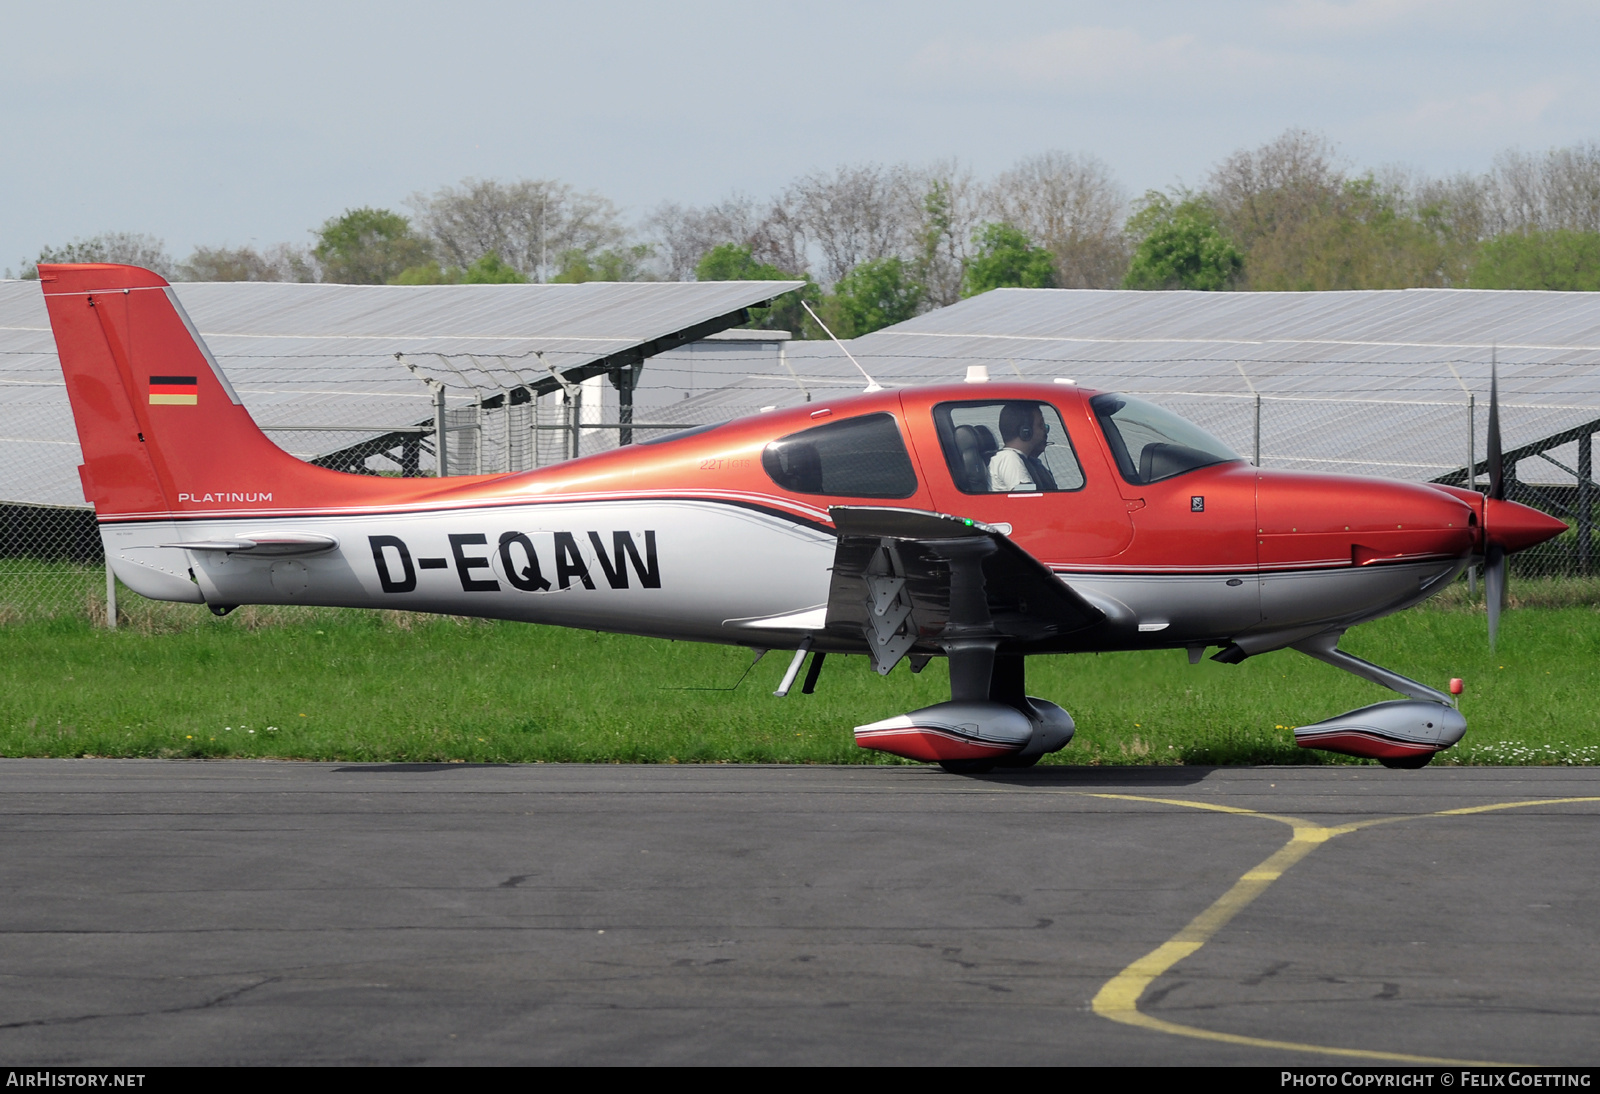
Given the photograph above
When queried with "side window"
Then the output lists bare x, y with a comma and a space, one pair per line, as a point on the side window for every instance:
1007, 447
855, 458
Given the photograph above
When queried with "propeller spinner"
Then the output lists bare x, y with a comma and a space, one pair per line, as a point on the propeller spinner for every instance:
1507, 526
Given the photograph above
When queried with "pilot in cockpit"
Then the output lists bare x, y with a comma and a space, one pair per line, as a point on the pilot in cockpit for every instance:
1016, 467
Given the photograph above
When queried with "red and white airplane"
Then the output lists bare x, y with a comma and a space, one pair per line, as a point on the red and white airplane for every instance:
981, 523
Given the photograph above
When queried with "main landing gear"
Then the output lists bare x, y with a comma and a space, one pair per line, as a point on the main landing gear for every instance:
990, 720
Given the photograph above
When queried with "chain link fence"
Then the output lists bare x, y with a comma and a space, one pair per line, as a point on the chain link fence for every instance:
51, 562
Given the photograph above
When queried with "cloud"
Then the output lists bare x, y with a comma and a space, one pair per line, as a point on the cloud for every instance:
1482, 113
1348, 16
1098, 56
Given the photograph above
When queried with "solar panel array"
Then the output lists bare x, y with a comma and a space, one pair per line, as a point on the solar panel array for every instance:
1353, 382
324, 355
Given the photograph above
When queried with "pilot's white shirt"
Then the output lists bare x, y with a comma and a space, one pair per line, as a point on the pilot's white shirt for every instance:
1008, 472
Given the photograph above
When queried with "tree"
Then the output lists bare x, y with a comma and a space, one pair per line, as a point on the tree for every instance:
1556, 190
1180, 246
490, 270
1007, 258
1304, 224
611, 264
529, 223
874, 295
127, 248
1560, 259
429, 273
855, 215
368, 247
735, 262
951, 211
1073, 206
683, 236
279, 263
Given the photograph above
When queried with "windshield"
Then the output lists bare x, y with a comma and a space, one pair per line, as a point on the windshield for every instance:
1152, 444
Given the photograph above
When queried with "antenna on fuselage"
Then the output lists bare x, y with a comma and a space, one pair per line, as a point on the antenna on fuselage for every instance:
872, 385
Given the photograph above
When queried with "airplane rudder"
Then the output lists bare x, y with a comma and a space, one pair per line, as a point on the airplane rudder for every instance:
156, 415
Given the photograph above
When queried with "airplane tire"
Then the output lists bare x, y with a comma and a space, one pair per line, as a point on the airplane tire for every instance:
967, 767
1015, 764
1409, 763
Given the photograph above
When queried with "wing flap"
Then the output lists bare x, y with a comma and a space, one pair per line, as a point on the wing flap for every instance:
895, 584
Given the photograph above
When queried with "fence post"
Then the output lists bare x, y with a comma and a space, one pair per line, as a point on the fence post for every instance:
625, 379
1472, 442
574, 417
440, 429
477, 437
1257, 460
1585, 500
111, 597
505, 408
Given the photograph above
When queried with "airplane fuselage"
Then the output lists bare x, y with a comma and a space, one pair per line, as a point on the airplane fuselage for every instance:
692, 538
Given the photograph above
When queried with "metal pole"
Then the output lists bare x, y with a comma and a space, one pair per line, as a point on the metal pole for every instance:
623, 378
536, 457
1585, 501
439, 431
111, 597
505, 408
1472, 442
1257, 460
574, 416
477, 438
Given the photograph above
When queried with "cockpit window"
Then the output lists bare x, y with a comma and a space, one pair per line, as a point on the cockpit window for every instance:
1007, 447
1151, 444
855, 458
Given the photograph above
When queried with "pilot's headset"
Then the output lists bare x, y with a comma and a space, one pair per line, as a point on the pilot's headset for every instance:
1021, 414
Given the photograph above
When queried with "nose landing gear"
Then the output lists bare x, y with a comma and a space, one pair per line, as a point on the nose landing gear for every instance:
1402, 733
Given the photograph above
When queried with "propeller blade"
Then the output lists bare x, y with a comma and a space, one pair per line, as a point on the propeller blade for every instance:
1494, 556
1494, 588
1496, 459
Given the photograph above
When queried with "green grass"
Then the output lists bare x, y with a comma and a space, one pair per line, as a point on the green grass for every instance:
31, 589
347, 685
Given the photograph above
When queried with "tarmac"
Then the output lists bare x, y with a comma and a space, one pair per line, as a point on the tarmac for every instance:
242, 912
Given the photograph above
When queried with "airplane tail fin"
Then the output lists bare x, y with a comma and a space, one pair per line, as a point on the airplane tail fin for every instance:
163, 432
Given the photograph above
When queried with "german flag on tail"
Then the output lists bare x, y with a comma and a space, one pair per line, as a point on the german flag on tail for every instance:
174, 391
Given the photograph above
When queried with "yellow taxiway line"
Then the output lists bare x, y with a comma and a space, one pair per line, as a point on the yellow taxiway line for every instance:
1119, 999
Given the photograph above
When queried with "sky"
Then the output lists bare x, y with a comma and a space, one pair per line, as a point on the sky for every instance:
215, 124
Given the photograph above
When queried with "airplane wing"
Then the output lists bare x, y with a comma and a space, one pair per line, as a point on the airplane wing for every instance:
905, 580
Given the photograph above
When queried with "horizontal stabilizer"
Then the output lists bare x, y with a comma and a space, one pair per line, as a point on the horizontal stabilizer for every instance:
274, 544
